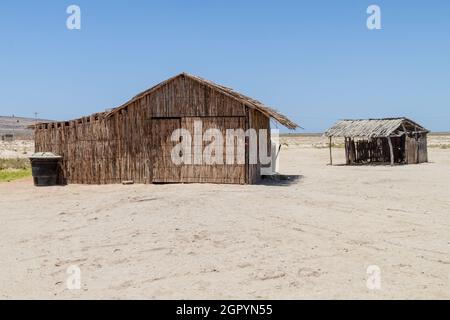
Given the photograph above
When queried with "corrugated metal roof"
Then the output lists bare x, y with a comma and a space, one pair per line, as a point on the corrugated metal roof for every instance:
370, 128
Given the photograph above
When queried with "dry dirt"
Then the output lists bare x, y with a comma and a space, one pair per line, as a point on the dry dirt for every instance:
312, 238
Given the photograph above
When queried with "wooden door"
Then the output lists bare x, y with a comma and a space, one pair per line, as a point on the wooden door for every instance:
220, 172
164, 170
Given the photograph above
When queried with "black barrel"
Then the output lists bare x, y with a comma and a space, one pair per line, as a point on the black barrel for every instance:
44, 167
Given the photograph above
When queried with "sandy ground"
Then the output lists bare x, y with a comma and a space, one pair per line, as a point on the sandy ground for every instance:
312, 238
16, 149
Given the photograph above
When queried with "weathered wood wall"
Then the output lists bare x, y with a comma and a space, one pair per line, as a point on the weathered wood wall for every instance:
416, 148
215, 173
410, 149
99, 150
422, 148
111, 148
257, 121
377, 150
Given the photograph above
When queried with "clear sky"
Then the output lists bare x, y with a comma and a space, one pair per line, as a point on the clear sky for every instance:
315, 61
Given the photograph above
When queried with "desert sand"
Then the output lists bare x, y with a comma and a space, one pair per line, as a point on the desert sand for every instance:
311, 237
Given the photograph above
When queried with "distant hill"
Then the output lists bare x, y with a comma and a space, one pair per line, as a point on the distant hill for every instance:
18, 126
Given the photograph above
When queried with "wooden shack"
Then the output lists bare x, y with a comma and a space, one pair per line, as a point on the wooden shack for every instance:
8, 137
133, 142
390, 140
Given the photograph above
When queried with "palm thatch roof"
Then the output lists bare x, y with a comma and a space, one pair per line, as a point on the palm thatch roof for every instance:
373, 128
247, 101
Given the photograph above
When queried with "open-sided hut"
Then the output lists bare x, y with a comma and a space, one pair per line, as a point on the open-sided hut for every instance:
390, 140
133, 142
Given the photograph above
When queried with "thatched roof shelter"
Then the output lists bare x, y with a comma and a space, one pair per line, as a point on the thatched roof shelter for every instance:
394, 140
372, 128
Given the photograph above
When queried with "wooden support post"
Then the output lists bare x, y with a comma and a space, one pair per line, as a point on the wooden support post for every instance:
331, 154
391, 149
405, 146
346, 147
352, 151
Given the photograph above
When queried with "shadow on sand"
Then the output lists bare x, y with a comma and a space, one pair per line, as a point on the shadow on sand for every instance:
280, 180
376, 164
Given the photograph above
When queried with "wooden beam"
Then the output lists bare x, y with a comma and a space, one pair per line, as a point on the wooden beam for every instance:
391, 149
331, 153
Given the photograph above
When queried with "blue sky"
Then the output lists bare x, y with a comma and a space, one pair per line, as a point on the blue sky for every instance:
315, 61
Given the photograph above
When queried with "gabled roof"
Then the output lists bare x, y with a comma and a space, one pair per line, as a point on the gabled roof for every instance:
247, 101
372, 128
